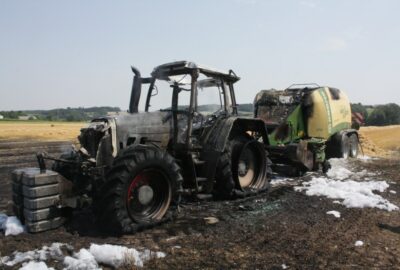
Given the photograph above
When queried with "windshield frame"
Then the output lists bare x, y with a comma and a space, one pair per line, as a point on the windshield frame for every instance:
226, 88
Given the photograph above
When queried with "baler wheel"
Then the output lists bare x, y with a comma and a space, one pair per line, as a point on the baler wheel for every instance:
344, 146
354, 145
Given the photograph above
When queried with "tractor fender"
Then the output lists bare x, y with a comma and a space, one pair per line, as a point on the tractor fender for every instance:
227, 128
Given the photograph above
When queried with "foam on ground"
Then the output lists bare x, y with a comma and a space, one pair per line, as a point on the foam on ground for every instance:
279, 181
342, 183
52, 252
10, 225
359, 243
341, 169
353, 194
110, 255
81, 260
117, 255
32, 265
334, 213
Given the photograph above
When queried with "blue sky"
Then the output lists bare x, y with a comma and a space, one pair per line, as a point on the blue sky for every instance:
78, 53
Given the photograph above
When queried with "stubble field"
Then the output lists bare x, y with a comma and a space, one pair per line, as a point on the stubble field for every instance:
39, 130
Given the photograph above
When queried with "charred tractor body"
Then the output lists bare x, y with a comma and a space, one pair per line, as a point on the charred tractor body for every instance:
307, 124
133, 167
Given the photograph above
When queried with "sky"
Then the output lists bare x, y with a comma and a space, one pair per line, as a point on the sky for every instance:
56, 54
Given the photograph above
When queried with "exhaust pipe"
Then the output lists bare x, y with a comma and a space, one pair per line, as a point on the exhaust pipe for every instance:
136, 90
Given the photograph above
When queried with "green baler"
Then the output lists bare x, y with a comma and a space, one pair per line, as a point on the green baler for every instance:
306, 125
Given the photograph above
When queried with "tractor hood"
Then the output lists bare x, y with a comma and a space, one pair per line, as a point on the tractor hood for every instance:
124, 129
136, 128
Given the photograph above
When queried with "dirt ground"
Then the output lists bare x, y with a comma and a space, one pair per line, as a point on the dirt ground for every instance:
284, 227
263, 232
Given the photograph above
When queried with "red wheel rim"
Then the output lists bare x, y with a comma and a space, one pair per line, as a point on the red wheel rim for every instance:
148, 196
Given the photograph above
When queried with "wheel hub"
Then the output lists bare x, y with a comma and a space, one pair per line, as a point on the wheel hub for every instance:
246, 167
242, 168
149, 196
145, 194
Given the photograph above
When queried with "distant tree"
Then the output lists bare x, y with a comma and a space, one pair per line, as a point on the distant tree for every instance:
247, 107
381, 115
377, 117
11, 114
359, 108
392, 113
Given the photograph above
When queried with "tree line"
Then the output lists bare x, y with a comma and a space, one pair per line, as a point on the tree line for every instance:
379, 115
65, 114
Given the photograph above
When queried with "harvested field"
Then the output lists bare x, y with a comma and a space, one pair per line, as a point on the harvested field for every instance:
377, 141
45, 131
380, 141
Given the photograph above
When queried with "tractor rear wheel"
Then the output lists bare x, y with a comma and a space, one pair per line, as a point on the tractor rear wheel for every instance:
243, 168
139, 190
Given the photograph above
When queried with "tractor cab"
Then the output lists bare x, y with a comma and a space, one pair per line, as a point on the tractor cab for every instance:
189, 96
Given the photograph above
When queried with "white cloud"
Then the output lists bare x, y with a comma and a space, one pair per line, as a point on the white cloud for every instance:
334, 44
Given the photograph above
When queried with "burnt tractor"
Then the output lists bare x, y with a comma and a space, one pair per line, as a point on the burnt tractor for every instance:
307, 124
132, 167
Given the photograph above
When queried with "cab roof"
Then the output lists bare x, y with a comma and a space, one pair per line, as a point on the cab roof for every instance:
186, 67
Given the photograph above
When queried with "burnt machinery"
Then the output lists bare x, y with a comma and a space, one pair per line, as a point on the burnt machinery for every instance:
133, 167
307, 124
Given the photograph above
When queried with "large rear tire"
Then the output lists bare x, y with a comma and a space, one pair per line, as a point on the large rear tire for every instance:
243, 169
139, 189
